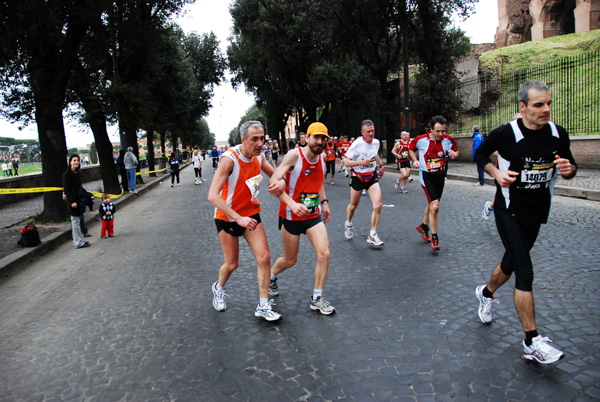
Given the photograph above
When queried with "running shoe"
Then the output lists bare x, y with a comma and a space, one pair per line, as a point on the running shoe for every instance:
322, 305
403, 190
435, 244
267, 312
478, 184
410, 180
396, 185
541, 352
375, 240
348, 230
219, 297
486, 305
424, 233
364, 192
273, 288
487, 210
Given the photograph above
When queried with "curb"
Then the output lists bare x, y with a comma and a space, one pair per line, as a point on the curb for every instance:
17, 260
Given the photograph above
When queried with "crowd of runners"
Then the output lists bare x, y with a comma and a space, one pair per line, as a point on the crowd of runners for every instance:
531, 152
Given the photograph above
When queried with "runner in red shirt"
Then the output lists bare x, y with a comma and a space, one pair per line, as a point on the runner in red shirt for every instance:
304, 209
344, 145
400, 151
433, 148
330, 152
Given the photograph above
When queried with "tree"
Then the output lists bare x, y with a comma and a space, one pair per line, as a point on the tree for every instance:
39, 45
253, 113
284, 53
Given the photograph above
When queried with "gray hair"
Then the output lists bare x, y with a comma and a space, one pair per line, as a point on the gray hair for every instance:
365, 123
475, 128
523, 94
250, 123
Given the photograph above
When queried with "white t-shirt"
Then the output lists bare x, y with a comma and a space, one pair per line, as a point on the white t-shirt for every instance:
197, 160
360, 150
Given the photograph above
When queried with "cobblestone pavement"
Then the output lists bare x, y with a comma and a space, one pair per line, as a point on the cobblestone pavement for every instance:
131, 318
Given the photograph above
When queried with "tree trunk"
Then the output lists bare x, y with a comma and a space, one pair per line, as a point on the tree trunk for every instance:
97, 121
51, 132
150, 153
131, 138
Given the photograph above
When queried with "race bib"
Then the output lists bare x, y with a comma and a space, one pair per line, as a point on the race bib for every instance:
534, 178
404, 155
435, 165
253, 184
310, 200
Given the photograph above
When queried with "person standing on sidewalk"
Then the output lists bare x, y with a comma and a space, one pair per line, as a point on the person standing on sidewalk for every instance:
174, 162
131, 163
303, 170
233, 192
107, 215
532, 151
71, 187
363, 159
477, 140
434, 148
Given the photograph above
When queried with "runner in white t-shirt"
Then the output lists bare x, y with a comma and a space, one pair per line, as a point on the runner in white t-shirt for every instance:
367, 169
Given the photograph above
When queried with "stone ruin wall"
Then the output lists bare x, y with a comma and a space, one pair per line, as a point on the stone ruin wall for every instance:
526, 20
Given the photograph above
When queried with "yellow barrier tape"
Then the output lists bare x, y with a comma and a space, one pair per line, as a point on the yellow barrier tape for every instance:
29, 190
48, 189
152, 171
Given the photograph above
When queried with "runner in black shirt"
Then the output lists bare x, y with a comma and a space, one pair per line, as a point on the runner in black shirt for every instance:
532, 151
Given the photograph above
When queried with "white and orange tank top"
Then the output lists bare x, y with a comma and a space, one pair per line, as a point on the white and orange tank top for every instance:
304, 183
242, 185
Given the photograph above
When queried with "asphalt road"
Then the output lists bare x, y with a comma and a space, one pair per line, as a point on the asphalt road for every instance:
131, 317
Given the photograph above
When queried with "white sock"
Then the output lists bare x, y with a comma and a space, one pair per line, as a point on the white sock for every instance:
262, 301
349, 224
273, 277
219, 287
317, 293
372, 233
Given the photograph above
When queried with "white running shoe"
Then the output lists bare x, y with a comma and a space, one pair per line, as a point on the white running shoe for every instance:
375, 240
364, 192
396, 185
487, 210
478, 184
486, 305
267, 312
322, 305
219, 297
410, 180
348, 230
403, 190
541, 352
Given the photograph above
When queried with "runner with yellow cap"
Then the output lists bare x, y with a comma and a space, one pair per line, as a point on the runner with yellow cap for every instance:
304, 209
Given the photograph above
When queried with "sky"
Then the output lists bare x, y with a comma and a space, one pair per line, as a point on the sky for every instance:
230, 105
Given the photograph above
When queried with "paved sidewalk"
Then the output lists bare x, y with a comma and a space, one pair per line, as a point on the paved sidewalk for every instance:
14, 216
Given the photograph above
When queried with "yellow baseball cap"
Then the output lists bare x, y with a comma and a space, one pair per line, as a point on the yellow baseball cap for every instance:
317, 129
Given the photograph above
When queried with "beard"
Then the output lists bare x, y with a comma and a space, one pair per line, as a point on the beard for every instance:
316, 149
